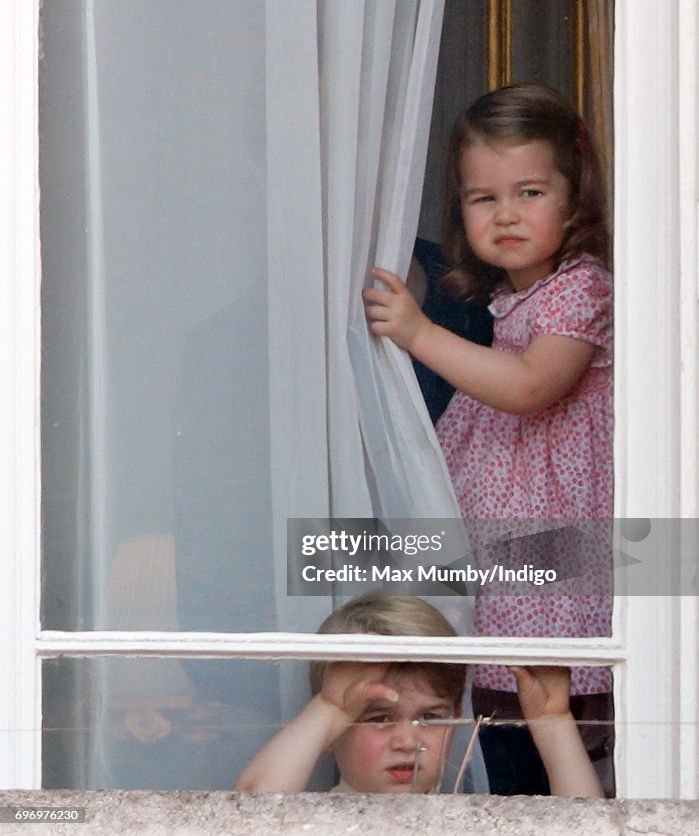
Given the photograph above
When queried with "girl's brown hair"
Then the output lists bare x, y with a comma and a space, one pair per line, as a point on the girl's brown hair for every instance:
521, 113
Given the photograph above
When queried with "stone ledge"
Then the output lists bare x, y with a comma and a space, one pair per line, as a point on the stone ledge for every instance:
126, 812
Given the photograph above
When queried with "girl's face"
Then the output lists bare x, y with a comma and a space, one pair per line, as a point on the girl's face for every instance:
514, 205
380, 752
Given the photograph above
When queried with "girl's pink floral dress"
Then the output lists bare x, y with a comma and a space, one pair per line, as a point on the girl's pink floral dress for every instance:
555, 464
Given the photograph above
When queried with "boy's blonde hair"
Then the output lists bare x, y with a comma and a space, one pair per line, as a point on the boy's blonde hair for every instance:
384, 613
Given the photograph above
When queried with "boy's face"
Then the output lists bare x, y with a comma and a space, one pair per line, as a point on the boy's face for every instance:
380, 755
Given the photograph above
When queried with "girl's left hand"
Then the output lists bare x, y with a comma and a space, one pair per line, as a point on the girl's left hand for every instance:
393, 313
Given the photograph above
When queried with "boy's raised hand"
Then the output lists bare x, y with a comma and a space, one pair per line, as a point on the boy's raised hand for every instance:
285, 763
393, 313
353, 686
543, 691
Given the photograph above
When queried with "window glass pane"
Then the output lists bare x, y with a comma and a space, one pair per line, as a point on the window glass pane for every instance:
156, 442
157, 412
160, 723
148, 723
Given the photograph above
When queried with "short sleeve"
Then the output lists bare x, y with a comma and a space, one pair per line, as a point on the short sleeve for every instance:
578, 303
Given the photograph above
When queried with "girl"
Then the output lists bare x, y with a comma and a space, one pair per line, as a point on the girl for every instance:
529, 432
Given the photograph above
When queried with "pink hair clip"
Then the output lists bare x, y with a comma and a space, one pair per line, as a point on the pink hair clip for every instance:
582, 140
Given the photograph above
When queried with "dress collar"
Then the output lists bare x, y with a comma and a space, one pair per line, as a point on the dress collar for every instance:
506, 299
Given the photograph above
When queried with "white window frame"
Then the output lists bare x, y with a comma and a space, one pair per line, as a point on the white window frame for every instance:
655, 640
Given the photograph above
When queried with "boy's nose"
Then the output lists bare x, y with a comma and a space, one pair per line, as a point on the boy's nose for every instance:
405, 736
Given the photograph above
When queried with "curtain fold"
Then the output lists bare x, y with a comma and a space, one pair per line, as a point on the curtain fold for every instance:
295, 288
378, 63
296, 304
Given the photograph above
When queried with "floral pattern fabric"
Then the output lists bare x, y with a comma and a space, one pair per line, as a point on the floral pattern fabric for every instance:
554, 465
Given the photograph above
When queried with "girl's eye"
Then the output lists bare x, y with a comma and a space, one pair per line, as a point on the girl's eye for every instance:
482, 198
377, 718
531, 192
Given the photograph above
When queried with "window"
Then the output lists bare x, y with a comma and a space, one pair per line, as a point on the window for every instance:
655, 638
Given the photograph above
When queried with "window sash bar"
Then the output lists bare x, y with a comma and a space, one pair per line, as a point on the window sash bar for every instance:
594, 651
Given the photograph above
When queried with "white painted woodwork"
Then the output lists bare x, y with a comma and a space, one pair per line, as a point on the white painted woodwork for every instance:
656, 222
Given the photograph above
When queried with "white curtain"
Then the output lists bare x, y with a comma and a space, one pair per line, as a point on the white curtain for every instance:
212, 200
345, 175
349, 100
378, 62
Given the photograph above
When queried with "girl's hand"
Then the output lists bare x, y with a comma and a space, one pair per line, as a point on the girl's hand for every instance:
394, 313
543, 691
353, 686
544, 697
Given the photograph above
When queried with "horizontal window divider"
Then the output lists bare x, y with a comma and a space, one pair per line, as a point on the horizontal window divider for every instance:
588, 651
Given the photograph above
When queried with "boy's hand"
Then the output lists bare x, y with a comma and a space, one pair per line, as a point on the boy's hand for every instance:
393, 313
285, 764
353, 686
543, 691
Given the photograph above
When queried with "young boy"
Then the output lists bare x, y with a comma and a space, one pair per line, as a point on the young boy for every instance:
372, 716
